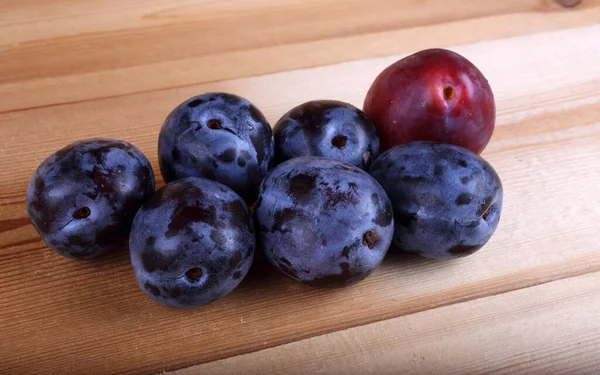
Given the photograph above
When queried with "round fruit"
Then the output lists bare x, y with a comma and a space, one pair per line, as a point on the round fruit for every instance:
432, 95
83, 198
217, 136
191, 243
327, 128
324, 222
447, 200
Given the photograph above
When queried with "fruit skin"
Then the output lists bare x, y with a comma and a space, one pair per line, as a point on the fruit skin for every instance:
218, 136
327, 128
83, 198
447, 200
323, 222
432, 95
191, 243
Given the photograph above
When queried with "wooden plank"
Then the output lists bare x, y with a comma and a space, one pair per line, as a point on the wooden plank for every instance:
87, 53
185, 29
71, 317
552, 329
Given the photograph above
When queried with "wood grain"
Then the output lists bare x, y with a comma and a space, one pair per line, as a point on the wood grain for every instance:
551, 329
60, 316
73, 54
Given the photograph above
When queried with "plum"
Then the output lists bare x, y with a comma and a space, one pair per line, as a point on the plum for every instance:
323, 222
83, 198
447, 200
432, 95
218, 136
191, 243
327, 128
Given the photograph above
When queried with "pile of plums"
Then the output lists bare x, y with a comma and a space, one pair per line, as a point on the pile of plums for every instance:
325, 205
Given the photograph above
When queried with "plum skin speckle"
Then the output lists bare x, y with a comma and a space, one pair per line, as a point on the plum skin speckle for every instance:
327, 128
83, 198
447, 200
219, 136
323, 222
191, 243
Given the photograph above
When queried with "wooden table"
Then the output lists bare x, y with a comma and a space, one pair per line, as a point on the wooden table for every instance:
529, 302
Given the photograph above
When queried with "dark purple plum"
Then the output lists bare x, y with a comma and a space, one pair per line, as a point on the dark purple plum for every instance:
218, 136
83, 198
191, 243
327, 128
447, 200
324, 222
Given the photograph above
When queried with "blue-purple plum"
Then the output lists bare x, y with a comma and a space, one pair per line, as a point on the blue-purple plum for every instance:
447, 200
327, 128
83, 198
191, 243
323, 222
218, 136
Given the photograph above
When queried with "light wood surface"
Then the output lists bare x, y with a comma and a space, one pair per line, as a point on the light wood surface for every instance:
72, 69
70, 50
547, 329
